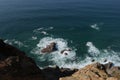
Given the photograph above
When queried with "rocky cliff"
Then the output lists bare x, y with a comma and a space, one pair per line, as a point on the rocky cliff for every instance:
96, 71
15, 65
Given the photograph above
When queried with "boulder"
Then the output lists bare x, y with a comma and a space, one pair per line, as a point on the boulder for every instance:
50, 48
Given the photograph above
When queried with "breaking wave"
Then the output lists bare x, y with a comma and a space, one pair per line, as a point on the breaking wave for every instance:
15, 42
72, 60
95, 26
56, 57
43, 30
92, 50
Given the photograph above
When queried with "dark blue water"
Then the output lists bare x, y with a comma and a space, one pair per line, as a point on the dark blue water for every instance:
75, 21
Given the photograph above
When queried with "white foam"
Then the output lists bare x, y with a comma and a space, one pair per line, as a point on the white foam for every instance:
56, 57
51, 27
92, 50
71, 60
109, 56
77, 64
95, 26
15, 42
44, 32
42, 29
34, 38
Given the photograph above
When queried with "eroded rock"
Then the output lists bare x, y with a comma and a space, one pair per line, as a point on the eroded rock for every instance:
96, 71
15, 65
50, 48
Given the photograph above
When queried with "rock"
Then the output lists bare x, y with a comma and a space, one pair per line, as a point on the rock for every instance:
105, 60
66, 51
8, 50
2, 44
94, 71
54, 73
15, 65
112, 78
93, 60
50, 48
114, 72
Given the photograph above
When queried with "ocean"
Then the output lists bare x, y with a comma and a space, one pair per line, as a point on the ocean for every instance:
91, 28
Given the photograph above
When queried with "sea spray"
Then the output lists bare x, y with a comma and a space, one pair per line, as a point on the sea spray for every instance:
71, 60
92, 50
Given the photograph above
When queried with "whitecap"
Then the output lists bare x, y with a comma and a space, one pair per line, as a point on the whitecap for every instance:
51, 27
44, 32
95, 26
34, 38
92, 50
56, 57
15, 42
71, 60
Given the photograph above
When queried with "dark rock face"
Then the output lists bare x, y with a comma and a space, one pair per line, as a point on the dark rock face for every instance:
2, 44
56, 72
15, 65
50, 48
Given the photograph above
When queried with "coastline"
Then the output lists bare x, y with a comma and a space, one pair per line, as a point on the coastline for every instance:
15, 65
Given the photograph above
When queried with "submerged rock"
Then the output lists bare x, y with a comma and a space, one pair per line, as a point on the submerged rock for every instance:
66, 51
50, 48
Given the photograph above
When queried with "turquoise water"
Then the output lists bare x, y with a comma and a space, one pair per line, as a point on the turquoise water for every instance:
24, 23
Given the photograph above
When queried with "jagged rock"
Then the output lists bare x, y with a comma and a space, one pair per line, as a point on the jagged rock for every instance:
2, 44
54, 73
50, 48
15, 65
114, 72
108, 65
94, 71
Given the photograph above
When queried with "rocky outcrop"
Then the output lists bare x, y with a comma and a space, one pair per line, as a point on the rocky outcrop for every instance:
96, 71
50, 48
54, 73
15, 65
